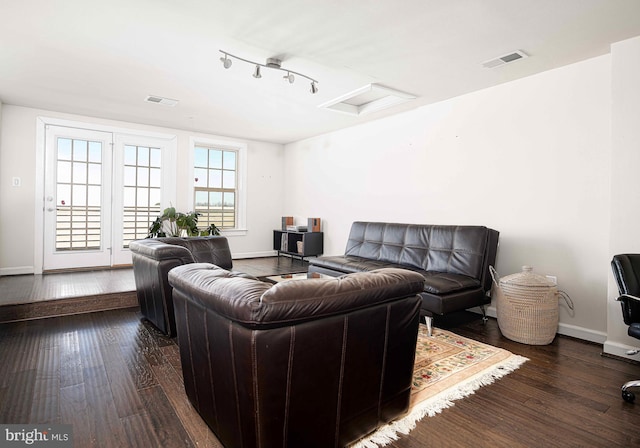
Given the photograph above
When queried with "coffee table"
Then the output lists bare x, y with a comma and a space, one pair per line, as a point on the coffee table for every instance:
297, 276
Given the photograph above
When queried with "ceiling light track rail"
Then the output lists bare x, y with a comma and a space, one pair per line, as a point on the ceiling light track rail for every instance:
273, 64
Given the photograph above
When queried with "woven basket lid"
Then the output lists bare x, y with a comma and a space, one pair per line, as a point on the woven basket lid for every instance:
527, 279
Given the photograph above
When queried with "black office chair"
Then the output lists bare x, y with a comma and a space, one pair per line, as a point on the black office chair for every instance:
626, 270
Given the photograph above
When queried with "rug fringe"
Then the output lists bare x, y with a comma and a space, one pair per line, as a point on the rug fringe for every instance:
436, 404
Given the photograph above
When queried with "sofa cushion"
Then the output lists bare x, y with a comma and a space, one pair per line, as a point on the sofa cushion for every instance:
435, 282
445, 283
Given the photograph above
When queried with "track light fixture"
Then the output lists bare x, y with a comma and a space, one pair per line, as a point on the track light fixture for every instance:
226, 62
271, 63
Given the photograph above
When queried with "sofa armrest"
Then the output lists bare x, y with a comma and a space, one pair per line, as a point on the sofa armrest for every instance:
261, 305
158, 250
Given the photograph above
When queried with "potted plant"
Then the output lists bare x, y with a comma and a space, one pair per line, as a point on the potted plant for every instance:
172, 223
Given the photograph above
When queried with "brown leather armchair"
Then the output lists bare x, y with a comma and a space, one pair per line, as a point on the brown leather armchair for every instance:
303, 363
153, 258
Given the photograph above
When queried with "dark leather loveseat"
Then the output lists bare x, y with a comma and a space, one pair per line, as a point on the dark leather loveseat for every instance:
153, 258
302, 363
454, 260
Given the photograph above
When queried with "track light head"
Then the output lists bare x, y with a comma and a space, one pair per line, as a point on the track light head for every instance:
256, 73
314, 87
289, 77
226, 62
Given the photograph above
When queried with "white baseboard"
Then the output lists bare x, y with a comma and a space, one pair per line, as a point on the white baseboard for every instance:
19, 270
268, 253
573, 331
617, 349
599, 337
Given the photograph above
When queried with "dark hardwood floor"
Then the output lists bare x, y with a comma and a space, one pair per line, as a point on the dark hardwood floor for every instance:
119, 383
66, 293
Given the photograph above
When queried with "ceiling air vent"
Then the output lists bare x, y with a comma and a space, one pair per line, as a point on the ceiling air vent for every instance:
505, 59
161, 100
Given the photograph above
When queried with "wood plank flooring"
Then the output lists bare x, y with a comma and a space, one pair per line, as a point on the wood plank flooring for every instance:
118, 381
26, 297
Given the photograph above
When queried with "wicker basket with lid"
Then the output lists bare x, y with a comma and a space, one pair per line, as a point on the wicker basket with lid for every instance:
527, 306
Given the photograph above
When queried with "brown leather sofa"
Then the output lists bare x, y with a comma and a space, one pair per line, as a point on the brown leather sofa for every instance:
454, 261
302, 363
153, 258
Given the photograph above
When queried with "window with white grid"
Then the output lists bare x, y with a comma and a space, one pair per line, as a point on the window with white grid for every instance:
216, 186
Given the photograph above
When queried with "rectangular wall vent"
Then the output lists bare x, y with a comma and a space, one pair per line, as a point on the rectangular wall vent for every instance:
161, 100
505, 59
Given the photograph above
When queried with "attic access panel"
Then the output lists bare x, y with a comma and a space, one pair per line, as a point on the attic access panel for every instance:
367, 99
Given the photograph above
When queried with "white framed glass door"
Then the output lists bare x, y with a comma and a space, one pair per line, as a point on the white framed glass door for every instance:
77, 206
141, 189
102, 190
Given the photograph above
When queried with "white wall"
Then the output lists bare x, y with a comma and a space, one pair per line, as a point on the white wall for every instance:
18, 159
529, 158
536, 159
625, 180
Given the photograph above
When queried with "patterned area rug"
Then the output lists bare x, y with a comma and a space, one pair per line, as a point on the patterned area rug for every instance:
447, 367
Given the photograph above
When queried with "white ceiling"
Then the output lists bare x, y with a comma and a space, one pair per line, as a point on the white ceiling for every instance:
102, 58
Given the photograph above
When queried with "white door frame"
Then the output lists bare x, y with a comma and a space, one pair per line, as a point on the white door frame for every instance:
55, 258
169, 174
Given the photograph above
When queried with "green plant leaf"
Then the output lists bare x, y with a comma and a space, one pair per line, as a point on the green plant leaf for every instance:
173, 223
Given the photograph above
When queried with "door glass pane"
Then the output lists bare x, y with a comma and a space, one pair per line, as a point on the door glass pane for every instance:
78, 195
143, 156
95, 152
129, 197
154, 197
141, 202
80, 150
64, 171
154, 157
129, 155
64, 149
129, 176
95, 173
79, 173
154, 178
143, 176
93, 195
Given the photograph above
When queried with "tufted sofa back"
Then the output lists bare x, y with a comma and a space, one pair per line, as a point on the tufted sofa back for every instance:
439, 248
205, 249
